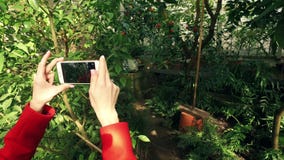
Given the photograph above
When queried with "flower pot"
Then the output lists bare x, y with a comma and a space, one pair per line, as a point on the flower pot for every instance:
195, 117
192, 117
188, 120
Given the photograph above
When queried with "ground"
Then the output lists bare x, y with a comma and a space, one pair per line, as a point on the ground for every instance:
163, 145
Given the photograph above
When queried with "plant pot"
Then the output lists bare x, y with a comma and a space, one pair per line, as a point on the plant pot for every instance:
191, 117
195, 117
188, 120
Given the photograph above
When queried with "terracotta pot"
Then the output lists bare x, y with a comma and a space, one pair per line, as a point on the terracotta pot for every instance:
187, 121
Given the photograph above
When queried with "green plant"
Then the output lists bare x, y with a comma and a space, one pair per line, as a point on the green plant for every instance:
244, 93
161, 107
259, 14
271, 155
209, 144
165, 96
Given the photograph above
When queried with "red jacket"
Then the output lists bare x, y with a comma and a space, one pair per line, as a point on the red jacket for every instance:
21, 141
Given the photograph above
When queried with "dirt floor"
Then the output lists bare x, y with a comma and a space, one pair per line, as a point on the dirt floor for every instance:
163, 145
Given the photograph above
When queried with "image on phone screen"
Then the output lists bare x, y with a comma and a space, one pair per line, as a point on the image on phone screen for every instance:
78, 72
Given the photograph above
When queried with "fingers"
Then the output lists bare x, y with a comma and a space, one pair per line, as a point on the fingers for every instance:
42, 63
94, 77
107, 73
50, 78
102, 70
50, 66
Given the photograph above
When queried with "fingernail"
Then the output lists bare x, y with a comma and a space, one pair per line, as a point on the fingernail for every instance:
72, 86
102, 56
92, 71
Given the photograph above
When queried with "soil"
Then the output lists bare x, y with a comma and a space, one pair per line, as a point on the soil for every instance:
163, 145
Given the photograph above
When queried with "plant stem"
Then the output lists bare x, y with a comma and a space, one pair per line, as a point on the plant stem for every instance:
75, 119
53, 32
198, 55
88, 142
82, 133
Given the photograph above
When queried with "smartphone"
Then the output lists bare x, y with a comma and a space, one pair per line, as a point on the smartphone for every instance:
76, 72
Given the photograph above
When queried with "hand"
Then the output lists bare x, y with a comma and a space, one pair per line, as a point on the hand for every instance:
43, 88
103, 94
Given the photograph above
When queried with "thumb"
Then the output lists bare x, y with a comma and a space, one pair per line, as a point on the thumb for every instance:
63, 87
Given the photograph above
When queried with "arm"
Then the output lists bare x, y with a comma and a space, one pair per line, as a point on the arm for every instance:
116, 141
22, 140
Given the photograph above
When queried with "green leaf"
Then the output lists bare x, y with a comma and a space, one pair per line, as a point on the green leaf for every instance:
2, 60
11, 116
3, 6
134, 143
22, 47
11, 88
59, 118
4, 96
144, 138
273, 6
19, 7
27, 25
34, 5
92, 156
6, 103
110, 15
17, 53
118, 68
81, 157
123, 81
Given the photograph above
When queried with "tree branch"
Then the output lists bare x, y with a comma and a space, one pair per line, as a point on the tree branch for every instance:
89, 143
213, 21
196, 24
208, 8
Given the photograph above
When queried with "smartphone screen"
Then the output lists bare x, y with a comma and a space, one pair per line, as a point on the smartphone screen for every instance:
76, 72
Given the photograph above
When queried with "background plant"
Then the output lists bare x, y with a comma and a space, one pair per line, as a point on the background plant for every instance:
209, 144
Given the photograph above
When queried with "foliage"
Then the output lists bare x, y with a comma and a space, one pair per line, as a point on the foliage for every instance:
209, 144
166, 95
15, 91
245, 93
271, 155
161, 108
263, 14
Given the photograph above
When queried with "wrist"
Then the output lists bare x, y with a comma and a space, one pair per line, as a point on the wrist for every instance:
36, 106
108, 119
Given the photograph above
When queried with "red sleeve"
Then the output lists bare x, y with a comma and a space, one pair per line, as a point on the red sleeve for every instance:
22, 140
116, 142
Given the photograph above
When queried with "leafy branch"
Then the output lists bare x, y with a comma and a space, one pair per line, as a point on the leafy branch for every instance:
81, 131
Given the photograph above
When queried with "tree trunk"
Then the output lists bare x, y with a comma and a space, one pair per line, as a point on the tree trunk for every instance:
276, 128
